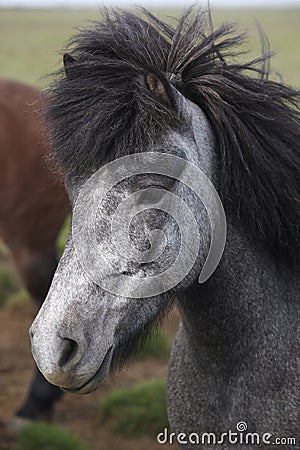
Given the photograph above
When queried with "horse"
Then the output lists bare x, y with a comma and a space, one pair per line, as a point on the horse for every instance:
33, 208
141, 113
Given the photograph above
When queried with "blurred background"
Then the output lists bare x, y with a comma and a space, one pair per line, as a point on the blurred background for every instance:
129, 411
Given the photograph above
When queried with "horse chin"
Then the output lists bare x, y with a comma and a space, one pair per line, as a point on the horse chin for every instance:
97, 379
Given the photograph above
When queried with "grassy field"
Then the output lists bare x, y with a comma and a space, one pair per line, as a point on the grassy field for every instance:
31, 43
31, 40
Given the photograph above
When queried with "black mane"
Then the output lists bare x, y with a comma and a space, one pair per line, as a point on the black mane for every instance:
255, 120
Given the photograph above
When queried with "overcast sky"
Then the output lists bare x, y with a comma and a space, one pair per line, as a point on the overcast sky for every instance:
84, 3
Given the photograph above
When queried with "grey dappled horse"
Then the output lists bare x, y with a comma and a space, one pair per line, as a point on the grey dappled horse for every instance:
137, 84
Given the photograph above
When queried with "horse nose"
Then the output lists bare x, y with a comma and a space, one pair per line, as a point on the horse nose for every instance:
69, 351
57, 356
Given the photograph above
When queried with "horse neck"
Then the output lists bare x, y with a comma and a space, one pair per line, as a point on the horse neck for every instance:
246, 301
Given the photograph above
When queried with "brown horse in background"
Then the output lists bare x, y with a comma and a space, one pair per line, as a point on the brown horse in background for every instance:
33, 207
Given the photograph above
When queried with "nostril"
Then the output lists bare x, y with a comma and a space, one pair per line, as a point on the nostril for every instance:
31, 333
69, 351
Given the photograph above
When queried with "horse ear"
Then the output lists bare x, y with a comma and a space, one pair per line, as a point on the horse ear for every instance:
158, 89
68, 63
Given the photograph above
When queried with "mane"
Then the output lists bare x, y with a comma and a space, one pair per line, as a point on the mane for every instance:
104, 106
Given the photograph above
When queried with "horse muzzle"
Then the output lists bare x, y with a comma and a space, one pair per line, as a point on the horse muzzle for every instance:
72, 363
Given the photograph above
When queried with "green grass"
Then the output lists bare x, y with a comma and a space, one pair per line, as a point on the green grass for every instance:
62, 238
42, 436
31, 40
282, 29
8, 285
156, 346
138, 410
3, 250
18, 298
